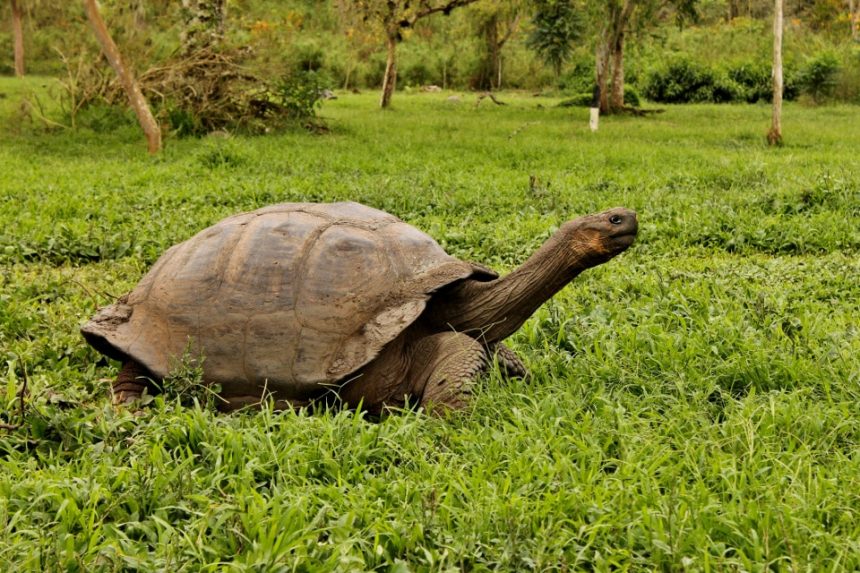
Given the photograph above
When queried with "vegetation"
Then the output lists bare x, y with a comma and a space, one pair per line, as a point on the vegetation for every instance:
693, 403
724, 46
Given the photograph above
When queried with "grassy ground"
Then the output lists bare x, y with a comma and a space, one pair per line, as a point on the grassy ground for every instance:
694, 403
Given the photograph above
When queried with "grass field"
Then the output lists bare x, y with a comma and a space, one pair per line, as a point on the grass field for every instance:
695, 403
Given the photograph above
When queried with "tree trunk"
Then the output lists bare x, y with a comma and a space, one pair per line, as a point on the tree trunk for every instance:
602, 71
616, 102
203, 24
18, 32
135, 97
734, 9
390, 80
486, 77
774, 136
512, 28
495, 62
854, 17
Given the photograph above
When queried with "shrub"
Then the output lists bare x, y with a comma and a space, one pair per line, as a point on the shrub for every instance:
818, 77
848, 81
374, 71
755, 78
580, 78
307, 56
416, 74
300, 93
102, 117
683, 80
631, 98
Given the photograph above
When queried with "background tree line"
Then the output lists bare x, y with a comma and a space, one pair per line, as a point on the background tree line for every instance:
277, 56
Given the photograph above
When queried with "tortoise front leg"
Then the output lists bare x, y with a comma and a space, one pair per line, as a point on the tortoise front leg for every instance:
511, 364
444, 368
130, 383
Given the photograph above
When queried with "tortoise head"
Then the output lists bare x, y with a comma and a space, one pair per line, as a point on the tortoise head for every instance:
594, 239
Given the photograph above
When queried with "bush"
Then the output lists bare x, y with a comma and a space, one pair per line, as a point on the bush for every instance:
848, 81
103, 118
416, 74
300, 93
307, 57
818, 77
631, 98
374, 71
580, 78
755, 78
684, 81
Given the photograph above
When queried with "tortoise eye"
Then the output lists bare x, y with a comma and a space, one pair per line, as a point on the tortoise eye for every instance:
615, 219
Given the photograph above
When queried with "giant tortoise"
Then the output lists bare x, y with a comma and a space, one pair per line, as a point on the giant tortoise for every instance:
298, 301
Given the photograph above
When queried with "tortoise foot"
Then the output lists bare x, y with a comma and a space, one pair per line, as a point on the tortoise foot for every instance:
131, 382
445, 367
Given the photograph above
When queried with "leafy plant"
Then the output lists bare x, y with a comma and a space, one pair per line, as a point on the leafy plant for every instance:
683, 80
818, 76
300, 94
557, 26
755, 77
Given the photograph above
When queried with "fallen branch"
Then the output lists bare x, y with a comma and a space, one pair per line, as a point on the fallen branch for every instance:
488, 95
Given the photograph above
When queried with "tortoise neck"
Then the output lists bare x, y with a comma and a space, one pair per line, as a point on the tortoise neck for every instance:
496, 309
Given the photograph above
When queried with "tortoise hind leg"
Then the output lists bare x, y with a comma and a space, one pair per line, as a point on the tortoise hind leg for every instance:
130, 383
444, 368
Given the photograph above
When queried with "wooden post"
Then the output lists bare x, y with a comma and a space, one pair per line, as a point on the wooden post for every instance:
18, 32
774, 136
593, 118
129, 84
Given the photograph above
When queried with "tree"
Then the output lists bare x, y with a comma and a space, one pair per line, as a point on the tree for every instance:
18, 32
496, 23
617, 17
774, 136
558, 25
129, 84
394, 16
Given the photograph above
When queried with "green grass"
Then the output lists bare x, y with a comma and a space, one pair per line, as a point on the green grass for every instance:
694, 404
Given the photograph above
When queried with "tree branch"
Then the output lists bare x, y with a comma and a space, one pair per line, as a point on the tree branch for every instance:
513, 28
428, 9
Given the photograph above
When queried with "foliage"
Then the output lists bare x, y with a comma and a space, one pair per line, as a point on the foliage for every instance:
557, 24
631, 98
579, 78
693, 404
682, 80
755, 79
300, 94
818, 76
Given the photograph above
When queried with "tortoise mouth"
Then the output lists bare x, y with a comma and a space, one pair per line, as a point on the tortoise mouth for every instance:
620, 243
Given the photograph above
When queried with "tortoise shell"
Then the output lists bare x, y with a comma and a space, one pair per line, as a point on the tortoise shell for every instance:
288, 297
